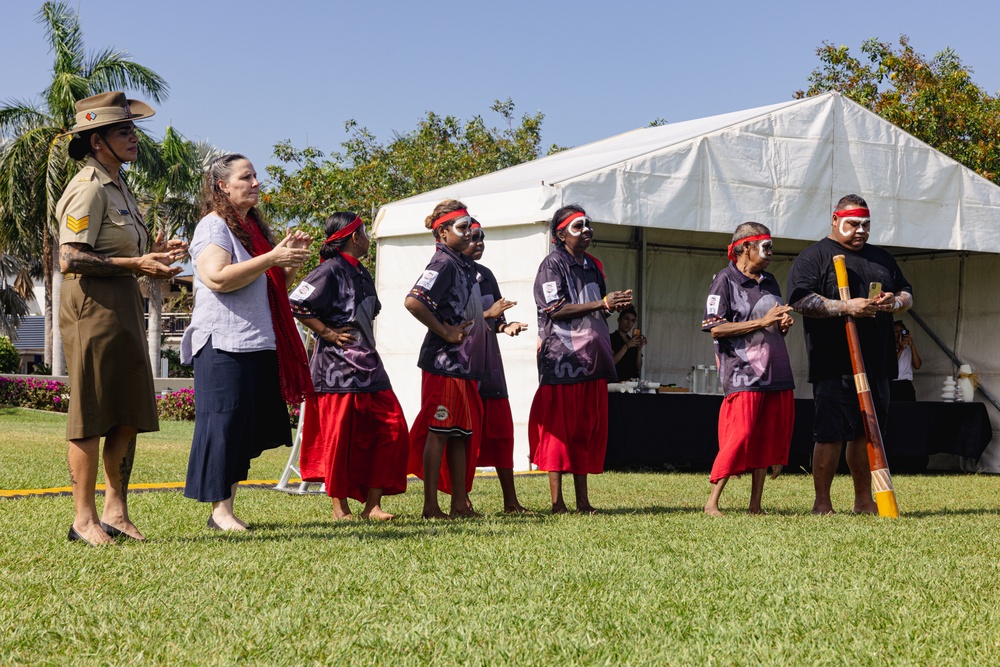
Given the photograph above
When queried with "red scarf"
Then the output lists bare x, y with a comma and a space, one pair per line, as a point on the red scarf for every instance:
293, 367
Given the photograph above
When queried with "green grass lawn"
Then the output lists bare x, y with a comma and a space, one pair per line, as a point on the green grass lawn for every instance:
650, 581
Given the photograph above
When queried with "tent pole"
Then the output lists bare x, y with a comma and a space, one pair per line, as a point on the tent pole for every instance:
640, 284
954, 359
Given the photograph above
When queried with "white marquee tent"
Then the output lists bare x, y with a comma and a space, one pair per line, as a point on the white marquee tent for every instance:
666, 201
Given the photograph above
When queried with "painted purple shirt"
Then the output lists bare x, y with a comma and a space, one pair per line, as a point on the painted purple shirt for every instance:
341, 294
449, 289
579, 349
757, 361
494, 385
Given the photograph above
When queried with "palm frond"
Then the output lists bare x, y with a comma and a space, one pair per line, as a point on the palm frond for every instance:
62, 29
17, 116
114, 70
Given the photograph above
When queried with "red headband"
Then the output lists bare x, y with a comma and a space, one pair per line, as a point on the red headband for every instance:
732, 246
571, 218
852, 213
475, 223
449, 216
345, 232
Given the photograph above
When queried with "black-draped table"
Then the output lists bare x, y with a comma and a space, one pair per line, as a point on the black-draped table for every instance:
680, 430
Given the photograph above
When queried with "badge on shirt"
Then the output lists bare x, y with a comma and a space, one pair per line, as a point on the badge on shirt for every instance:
77, 225
302, 292
122, 211
550, 291
428, 279
712, 307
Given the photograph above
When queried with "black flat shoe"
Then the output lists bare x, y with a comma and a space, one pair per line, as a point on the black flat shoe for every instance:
77, 537
114, 532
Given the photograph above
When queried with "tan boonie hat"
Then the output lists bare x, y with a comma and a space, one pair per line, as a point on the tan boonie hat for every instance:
107, 109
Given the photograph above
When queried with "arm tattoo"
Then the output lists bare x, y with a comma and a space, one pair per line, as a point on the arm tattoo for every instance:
814, 305
81, 258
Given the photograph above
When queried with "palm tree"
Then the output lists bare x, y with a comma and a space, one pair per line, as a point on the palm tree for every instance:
168, 195
34, 166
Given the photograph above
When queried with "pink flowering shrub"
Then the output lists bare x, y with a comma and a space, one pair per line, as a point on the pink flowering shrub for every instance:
176, 405
35, 393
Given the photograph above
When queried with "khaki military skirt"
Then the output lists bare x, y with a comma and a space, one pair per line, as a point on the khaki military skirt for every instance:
104, 337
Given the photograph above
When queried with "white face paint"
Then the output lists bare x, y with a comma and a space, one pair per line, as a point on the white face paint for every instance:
765, 247
461, 226
848, 226
579, 226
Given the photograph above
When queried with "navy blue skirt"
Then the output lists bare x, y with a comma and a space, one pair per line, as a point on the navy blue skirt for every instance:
239, 413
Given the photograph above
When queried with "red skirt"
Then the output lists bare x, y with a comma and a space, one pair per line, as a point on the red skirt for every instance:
568, 427
755, 431
448, 406
355, 442
496, 447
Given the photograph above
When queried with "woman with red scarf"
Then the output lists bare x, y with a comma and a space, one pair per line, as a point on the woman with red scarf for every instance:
248, 357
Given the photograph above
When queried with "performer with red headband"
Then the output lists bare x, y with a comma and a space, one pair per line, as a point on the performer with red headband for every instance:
354, 435
444, 439
812, 291
496, 448
748, 322
568, 423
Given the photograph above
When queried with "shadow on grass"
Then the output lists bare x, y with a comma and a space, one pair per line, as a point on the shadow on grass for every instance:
961, 511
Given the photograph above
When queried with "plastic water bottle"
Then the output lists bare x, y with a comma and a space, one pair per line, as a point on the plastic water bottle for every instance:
713, 381
699, 377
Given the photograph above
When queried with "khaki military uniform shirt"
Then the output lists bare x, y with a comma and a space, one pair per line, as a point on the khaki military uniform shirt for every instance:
104, 215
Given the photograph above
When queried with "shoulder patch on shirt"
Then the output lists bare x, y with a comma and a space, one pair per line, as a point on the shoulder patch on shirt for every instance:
550, 291
712, 306
302, 292
77, 225
427, 279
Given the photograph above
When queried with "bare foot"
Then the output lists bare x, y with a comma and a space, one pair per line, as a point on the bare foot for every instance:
516, 508
226, 523
559, 508
712, 510
467, 513
435, 513
377, 514
865, 509
587, 509
823, 510
756, 511
91, 533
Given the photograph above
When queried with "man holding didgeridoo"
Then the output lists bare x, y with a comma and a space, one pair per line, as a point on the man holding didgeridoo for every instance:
878, 290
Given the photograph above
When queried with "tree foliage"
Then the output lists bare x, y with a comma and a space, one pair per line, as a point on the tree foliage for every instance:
367, 173
934, 99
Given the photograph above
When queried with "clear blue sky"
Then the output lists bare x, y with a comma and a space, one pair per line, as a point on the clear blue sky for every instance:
244, 75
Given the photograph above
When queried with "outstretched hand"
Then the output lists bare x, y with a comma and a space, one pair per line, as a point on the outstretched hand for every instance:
618, 301
498, 308
514, 328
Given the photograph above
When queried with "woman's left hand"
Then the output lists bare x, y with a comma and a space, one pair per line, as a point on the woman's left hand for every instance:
498, 308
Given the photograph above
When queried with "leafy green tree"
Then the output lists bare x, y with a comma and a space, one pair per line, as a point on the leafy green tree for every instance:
367, 173
933, 99
34, 166
10, 358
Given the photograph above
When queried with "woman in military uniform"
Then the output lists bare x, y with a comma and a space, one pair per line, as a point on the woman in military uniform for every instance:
103, 245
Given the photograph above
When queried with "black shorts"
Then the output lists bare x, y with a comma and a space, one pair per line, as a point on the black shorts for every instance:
838, 414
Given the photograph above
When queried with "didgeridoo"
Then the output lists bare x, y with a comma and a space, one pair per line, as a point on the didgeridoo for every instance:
885, 495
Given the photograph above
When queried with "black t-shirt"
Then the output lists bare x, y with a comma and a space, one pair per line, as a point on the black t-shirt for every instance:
826, 338
449, 289
579, 349
340, 293
628, 367
494, 385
